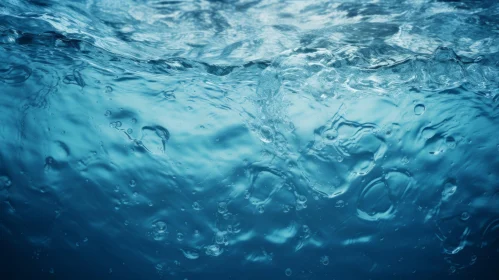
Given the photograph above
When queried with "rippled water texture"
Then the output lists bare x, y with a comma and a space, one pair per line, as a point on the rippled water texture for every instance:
254, 139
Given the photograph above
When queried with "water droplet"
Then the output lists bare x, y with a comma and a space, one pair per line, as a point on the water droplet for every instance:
325, 260
159, 230
465, 216
288, 272
419, 109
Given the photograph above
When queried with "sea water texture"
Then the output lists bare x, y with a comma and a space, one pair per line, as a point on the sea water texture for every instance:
255, 139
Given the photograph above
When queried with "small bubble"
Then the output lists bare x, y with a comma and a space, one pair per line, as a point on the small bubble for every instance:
405, 160
222, 207
452, 269
288, 272
339, 158
110, 270
450, 142
51, 271
115, 124
331, 134
129, 131
134, 121
220, 238
325, 260
196, 206
108, 89
126, 223
473, 259
132, 183
261, 209
5, 181
214, 250
419, 109
266, 134
340, 204
108, 113
465, 216
85, 240
180, 236
159, 230
302, 199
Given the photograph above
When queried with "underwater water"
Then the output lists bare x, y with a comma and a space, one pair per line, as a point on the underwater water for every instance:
254, 139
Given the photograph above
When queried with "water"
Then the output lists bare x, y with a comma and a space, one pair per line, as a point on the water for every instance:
249, 139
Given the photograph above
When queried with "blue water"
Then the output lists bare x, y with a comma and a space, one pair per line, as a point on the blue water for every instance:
265, 139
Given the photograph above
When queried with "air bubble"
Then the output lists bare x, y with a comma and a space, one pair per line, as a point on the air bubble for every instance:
129, 131
419, 109
330, 134
132, 183
116, 124
191, 255
180, 236
450, 142
339, 204
108, 89
302, 199
222, 207
214, 250
108, 113
159, 230
465, 216
5, 182
266, 134
325, 260
196, 206
288, 272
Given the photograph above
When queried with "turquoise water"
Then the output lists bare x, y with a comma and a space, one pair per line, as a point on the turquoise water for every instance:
249, 139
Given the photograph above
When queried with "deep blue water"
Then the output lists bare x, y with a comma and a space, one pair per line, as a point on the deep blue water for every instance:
255, 139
